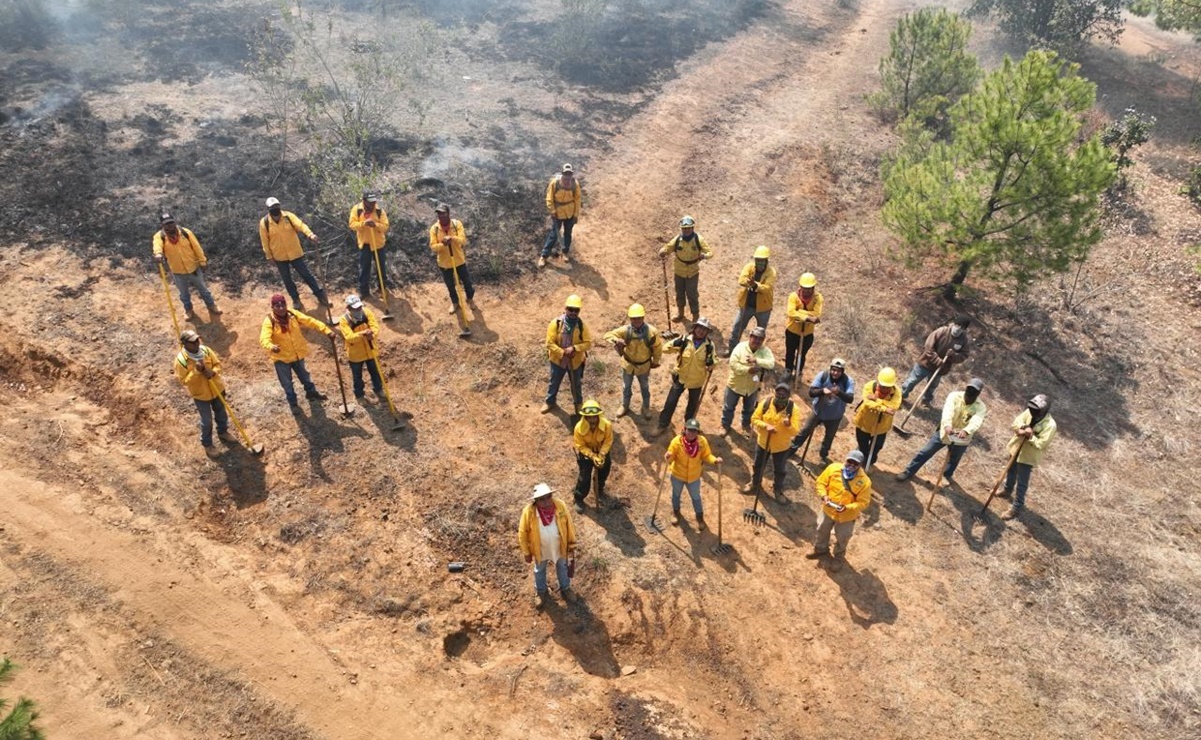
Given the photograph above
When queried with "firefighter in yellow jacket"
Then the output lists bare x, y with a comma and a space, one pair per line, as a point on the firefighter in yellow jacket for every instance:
687, 250
278, 233
804, 314
448, 240
199, 370
775, 421
546, 534
641, 349
180, 250
563, 198
695, 357
592, 439
1033, 430
756, 293
686, 454
567, 345
287, 348
874, 414
360, 331
845, 492
370, 224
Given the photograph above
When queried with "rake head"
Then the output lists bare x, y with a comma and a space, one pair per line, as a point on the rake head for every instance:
722, 548
755, 517
653, 524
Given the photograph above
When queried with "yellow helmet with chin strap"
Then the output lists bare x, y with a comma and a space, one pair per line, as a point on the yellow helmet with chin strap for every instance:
637, 311
808, 280
590, 408
762, 253
574, 301
887, 377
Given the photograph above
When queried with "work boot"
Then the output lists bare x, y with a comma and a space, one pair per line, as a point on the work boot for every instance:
724, 431
541, 261
212, 452
1007, 493
675, 517
295, 407
190, 315
817, 554
453, 309
579, 505
315, 395
568, 595
546, 408
826, 460
748, 489
903, 476
227, 438
539, 600
566, 258
1012, 512
679, 316
837, 562
748, 430
646, 411
623, 411
659, 431
212, 307
700, 522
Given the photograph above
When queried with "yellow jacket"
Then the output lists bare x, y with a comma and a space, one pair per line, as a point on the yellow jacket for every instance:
452, 256
689, 253
868, 414
189, 374
292, 344
639, 353
357, 349
531, 542
557, 339
687, 468
369, 236
563, 203
1044, 432
184, 254
591, 441
744, 364
694, 363
830, 485
798, 312
767, 285
958, 414
280, 242
786, 421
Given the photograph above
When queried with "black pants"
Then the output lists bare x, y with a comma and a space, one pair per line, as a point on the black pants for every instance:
673, 398
793, 342
583, 482
810, 425
448, 277
778, 461
865, 445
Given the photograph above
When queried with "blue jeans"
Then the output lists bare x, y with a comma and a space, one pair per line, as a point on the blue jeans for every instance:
184, 284
302, 269
694, 493
208, 410
916, 376
367, 264
284, 370
731, 403
1019, 473
557, 374
356, 378
560, 571
743, 319
627, 388
933, 445
552, 237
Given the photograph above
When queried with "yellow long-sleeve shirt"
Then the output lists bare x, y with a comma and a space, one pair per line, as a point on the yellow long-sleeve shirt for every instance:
765, 294
355, 334
183, 253
871, 415
694, 362
453, 255
1032, 451
799, 310
188, 373
685, 467
640, 350
558, 339
688, 254
292, 344
279, 239
369, 236
589, 441
855, 497
786, 421
563, 202
530, 541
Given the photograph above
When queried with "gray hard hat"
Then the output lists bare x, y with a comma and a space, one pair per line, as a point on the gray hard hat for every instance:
856, 456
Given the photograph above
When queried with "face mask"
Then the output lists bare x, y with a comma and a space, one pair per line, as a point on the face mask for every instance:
956, 330
357, 314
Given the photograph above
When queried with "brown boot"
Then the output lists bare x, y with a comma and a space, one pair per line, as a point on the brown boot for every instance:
675, 517
623, 411
212, 452
546, 408
748, 489
700, 522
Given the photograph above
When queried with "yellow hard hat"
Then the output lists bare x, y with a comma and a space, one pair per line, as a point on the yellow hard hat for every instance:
762, 253
887, 377
808, 280
590, 408
636, 311
574, 301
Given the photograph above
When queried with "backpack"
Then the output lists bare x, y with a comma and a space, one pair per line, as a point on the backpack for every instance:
787, 408
267, 222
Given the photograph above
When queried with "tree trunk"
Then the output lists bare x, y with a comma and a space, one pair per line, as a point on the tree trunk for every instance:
957, 280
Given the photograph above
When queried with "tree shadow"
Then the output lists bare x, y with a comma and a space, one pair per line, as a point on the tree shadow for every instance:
1020, 349
865, 595
245, 475
582, 633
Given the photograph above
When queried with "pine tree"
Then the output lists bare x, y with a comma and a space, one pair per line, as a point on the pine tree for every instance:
18, 723
1061, 24
928, 66
1014, 193
1173, 15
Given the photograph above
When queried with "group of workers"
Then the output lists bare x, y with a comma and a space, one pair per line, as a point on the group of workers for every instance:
780, 429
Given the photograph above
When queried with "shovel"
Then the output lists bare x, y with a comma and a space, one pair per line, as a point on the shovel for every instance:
255, 450
398, 423
938, 483
382, 290
901, 427
721, 548
670, 334
464, 329
1000, 478
347, 411
162, 273
652, 521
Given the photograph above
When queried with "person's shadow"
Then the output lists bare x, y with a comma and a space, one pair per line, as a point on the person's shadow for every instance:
216, 336
323, 434
968, 508
397, 431
480, 333
865, 595
1045, 533
903, 500
612, 513
578, 630
245, 474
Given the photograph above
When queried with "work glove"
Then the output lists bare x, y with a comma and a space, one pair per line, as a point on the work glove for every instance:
529, 558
